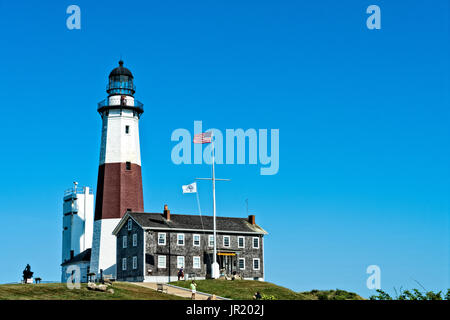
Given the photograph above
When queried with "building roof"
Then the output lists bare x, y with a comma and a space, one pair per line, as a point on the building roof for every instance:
84, 256
186, 222
121, 71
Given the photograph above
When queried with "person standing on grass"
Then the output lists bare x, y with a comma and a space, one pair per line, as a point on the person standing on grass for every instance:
193, 289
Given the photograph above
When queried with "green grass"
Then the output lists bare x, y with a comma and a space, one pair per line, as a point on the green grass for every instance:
245, 289
236, 290
59, 291
331, 295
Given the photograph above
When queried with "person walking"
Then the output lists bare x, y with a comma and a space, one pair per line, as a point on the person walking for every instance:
193, 289
180, 274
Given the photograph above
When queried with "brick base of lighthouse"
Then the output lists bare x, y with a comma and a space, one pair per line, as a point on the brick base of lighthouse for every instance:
119, 189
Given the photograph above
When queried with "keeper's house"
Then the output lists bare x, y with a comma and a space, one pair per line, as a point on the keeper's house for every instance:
152, 247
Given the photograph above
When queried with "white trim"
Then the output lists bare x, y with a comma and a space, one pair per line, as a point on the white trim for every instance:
130, 224
124, 264
122, 222
165, 262
229, 241
124, 242
241, 237
253, 243
134, 239
199, 240
263, 260
259, 264
143, 253
209, 240
199, 262
197, 230
180, 265
243, 259
184, 239
134, 262
165, 236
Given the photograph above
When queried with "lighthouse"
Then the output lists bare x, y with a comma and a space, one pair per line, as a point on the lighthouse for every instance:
119, 184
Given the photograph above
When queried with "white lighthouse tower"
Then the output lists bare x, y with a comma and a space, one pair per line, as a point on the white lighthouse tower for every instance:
119, 186
78, 216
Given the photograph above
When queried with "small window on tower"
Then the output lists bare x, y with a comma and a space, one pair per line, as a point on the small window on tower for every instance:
127, 129
128, 165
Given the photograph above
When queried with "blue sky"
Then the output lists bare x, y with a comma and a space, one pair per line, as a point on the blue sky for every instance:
363, 118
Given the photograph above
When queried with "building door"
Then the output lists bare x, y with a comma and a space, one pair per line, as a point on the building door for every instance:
226, 263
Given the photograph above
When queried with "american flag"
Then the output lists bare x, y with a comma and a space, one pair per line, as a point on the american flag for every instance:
205, 137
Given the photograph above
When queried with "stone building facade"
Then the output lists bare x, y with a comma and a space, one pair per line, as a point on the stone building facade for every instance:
152, 247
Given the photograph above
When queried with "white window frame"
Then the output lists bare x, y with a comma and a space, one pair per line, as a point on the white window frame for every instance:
229, 241
180, 265
243, 242
194, 258
160, 259
130, 224
124, 242
134, 239
239, 266
259, 263
199, 240
162, 233
211, 236
134, 262
253, 243
124, 264
180, 234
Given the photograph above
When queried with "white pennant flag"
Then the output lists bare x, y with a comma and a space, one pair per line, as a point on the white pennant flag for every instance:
190, 188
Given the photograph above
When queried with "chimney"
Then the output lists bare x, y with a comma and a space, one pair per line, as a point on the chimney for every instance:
166, 212
251, 219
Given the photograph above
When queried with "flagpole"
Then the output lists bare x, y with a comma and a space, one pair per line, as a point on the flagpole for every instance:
201, 138
214, 270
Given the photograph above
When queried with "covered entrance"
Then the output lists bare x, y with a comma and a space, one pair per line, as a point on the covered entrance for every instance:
227, 262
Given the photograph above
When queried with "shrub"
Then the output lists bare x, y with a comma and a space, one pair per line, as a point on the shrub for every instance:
415, 294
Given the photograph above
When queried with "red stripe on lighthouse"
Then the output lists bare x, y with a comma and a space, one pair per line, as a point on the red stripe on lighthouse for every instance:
118, 190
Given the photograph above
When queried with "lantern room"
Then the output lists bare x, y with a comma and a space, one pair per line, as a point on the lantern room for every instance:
120, 81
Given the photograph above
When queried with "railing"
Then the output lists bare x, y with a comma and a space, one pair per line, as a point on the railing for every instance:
106, 104
79, 190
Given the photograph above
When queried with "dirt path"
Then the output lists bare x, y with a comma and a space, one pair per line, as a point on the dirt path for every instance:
177, 291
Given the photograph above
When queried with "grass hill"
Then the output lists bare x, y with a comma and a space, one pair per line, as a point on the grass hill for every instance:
236, 290
245, 289
59, 291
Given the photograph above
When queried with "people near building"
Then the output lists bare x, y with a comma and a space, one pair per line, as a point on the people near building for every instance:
181, 274
193, 289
